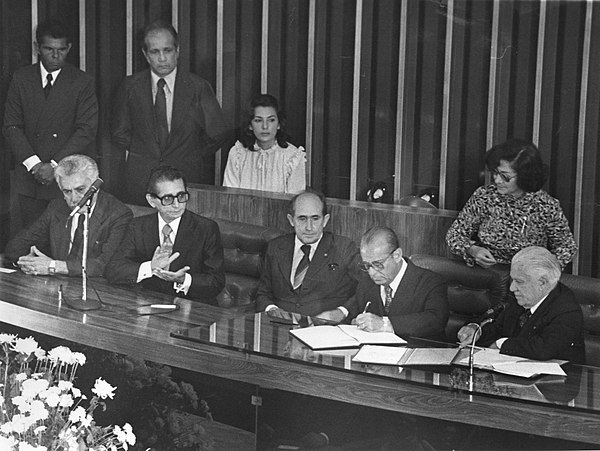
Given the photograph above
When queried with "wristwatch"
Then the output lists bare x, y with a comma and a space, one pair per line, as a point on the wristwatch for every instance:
52, 267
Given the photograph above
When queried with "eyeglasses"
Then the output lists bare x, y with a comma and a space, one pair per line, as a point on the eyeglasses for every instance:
168, 199
378, 265
503, 175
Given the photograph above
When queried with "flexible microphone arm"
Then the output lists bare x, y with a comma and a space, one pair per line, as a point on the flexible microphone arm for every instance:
472, 351
93, 189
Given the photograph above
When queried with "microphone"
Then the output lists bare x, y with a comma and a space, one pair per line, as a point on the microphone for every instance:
491, 314
87, 196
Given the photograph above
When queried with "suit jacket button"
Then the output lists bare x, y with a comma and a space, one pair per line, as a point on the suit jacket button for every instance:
54, 135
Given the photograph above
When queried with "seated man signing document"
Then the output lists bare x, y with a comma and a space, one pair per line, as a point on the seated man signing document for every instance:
53, 244
398, 297
173, 251
546, 321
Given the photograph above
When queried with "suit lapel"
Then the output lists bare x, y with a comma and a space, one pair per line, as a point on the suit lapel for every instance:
319, 260
150, 234
35, 81
285, 257
182, 239
143, 91
62, 232
181, 102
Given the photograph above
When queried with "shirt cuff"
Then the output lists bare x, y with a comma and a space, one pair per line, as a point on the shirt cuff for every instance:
387, 325
270, 307
344, 310
145, 271
30, 162
185, 286
500, 342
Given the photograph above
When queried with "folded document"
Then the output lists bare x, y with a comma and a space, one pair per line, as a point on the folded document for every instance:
343, 336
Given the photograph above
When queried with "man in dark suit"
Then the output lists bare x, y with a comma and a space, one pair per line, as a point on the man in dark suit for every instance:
164, 115
174, 251
310, 282
544, 323
398, 296
53, 243
51, 112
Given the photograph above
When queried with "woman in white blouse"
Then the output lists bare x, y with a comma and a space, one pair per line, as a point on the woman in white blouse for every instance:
263, 159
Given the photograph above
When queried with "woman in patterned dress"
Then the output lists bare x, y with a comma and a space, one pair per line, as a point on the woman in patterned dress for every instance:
263, 159
514, 212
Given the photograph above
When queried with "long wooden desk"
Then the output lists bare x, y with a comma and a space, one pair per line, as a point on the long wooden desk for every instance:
32, 303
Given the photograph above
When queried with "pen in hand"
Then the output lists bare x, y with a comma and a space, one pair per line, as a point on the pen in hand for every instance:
366, 307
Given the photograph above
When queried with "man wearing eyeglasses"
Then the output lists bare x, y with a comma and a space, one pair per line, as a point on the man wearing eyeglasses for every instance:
398, 297
308, 271
173, 251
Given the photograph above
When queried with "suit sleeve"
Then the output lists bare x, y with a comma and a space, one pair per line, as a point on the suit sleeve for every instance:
37, 234
86, 121
432, 296
14, 123
209, 279
121, 121
124, 266
265, 294
117, 227
216, 129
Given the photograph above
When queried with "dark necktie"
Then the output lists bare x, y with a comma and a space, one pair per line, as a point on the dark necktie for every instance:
523, 319
48, 86
160, 111
302, 266
388, 298
77, 239
167, 245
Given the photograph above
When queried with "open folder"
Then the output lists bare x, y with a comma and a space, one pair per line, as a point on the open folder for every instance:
484, 358
343, 336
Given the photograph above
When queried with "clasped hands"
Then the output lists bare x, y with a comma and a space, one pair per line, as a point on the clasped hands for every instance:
483, 257
160, 264
35, 263
43, 173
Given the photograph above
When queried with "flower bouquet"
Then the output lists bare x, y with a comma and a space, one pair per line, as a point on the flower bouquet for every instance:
41, 409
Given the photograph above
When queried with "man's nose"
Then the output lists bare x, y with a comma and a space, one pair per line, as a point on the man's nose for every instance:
162, 56
309, 224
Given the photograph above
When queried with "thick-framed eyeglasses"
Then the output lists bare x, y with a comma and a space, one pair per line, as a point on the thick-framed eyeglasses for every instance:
378, 265
168, 199
503, 175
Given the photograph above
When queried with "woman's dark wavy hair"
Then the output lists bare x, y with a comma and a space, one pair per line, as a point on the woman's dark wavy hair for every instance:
247, 137
524, 157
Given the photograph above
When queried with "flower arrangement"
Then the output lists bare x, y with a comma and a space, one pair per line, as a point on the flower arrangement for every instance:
41, 409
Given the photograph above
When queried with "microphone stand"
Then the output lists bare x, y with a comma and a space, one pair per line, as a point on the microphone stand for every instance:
471, 352
84, 303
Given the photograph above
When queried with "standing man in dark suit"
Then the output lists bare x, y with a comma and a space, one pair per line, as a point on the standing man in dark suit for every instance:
546, 321
164, 115
51, 244
308, 271
51, 111
174, 251
398, 297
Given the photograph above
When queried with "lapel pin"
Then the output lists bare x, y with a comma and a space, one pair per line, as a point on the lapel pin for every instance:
333, 266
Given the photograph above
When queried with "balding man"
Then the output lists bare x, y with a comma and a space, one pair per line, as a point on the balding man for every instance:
308, 271
50, 244
546, 321
398, 296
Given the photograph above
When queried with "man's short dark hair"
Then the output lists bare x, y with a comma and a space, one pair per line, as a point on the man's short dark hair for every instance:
53, 29
380, 233
160, 25
162, 174
524, 157
321, 196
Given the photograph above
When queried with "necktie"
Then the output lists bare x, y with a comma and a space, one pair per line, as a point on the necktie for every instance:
77, 239
388, 298
167, 245
48, 86
523, 318
160, 111
302, 266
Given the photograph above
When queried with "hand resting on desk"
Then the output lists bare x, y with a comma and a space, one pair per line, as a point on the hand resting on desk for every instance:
35, 263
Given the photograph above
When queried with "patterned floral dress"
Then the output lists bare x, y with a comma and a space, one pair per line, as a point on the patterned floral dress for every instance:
505, 224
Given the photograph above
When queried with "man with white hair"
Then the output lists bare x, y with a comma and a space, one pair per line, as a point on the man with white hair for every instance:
53, 243
545, 322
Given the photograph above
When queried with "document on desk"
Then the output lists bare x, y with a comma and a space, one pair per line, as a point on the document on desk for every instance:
491, 359
386, 355
343, 336
380, 355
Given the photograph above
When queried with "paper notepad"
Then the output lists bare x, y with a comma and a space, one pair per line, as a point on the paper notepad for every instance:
385, 355
343, 336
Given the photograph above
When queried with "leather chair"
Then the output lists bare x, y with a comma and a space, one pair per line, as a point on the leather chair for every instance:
471, 290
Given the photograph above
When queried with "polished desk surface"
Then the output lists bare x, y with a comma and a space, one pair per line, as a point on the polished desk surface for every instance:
254, 351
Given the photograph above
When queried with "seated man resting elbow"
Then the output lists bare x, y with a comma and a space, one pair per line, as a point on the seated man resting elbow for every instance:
53, 244
546, 321
173, 251
398, 297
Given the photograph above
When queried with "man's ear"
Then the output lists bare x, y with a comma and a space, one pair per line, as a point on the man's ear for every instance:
398, 254
150, 200
290, 218
326, 220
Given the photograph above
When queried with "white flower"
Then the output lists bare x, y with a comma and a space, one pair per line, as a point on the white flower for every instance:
130, 435
6, 428
1, 402
20, 377
30, 388
79, 358
7, 338
65, 385
76, 392
38, 410
52, 398
38, 430
25, 345
61, 354
40, 353
66, 401
103, 389
77, 414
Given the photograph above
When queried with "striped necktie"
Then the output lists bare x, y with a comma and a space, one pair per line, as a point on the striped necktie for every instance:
302, 266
